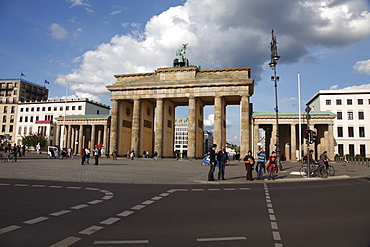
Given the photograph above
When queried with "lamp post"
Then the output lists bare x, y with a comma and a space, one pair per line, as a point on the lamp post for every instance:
274, 60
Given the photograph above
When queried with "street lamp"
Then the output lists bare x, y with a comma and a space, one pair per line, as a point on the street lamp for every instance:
274, 60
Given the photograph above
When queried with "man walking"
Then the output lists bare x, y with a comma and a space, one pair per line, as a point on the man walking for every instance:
260, 168
212, 164
222, 158
96, 155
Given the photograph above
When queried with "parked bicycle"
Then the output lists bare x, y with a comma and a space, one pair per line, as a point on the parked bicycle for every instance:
317, 170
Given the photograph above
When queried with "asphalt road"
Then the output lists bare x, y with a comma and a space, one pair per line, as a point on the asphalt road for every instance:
53, 213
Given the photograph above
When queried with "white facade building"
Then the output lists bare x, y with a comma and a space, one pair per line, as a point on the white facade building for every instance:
352, 124
181, 136
39, 116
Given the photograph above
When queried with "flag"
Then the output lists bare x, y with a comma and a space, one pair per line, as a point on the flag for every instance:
46, 82
23, 74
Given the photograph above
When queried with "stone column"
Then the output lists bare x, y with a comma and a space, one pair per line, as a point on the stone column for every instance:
273, 138
114, 125
255, 138
105, 132
158, 127
136, 127
330, 148
93, 130
192, 123
293, 142
80, 137
244, 125
217, 139
99, 136
57, 135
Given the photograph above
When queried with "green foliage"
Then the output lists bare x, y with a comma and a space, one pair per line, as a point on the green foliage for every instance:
34, 139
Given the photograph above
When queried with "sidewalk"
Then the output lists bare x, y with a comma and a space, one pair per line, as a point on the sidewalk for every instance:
148, 171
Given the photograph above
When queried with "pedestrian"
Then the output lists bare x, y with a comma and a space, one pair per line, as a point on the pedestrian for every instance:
87, 155
222, 158
114, 154
324, 160
14, 151
96, 154
155, 155
70, 153
260, 168
83, 155
212, 165
249, 164
271, 165
132, 154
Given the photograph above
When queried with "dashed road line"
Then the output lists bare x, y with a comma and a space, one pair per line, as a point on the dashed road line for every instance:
9, 229
138, 207
90, 230
66, 242
274, 226
122, 242
220, 239
125, 213
79, 206
110, 221
35, 220
61, 212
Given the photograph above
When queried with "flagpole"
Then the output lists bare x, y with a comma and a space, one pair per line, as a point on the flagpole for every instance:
299, 116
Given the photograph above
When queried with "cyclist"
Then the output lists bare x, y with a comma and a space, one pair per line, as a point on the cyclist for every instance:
324, 160
311, 161
271, 165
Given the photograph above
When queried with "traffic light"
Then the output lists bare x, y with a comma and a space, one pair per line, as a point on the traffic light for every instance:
307, 134
312, 136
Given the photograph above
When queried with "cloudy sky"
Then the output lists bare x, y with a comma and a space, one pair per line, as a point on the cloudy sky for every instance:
84, 43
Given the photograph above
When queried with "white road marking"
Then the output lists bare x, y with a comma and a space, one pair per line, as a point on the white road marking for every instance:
61, 212
164, 194
276, 235
56, 186
156, 198
122, 242
125, 213
75, 188
95, 202
80, 206
106, 197
110, 221
35, 220
214, 189
90, 230
229, 189
274, 225
66, 242
21, 185
138, 207
244, 188
9, 229
4, 184
271, 211
220, 239
272, 217
148, 202
197, 189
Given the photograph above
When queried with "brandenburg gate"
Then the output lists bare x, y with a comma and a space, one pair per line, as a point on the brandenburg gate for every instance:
143, 108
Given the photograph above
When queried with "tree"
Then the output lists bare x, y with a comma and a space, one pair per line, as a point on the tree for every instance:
34, 139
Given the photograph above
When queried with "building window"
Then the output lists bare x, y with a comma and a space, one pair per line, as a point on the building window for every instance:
79, 107
361, 131
43, 109
11, 128
31, 119
3, 128
350, 115
339, 101
20, 119
361, 115
339, 115
362, 150
21, 109
73, 108
61, 108
340, 131
328, 102
26, 119
11, 118
67, 108
5, 109
37, 108
27, 109
55, 108
37, 118
4, 119
360, 101
49, 108
12, 109
32, 109
351, 150
350, 132
349, 101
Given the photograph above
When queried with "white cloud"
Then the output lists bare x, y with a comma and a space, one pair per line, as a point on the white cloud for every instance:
217, 39
58, 32
364, 86
362, 67
116, 12
288, 99
79, 3
210, 121
334, 87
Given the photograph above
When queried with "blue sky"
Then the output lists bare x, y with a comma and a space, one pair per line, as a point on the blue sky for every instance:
83, 43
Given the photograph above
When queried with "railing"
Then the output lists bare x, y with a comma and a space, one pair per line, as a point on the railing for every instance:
21, 79
354, 161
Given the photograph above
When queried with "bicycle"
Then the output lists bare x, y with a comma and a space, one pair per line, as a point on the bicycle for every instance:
319, 171
331, 170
